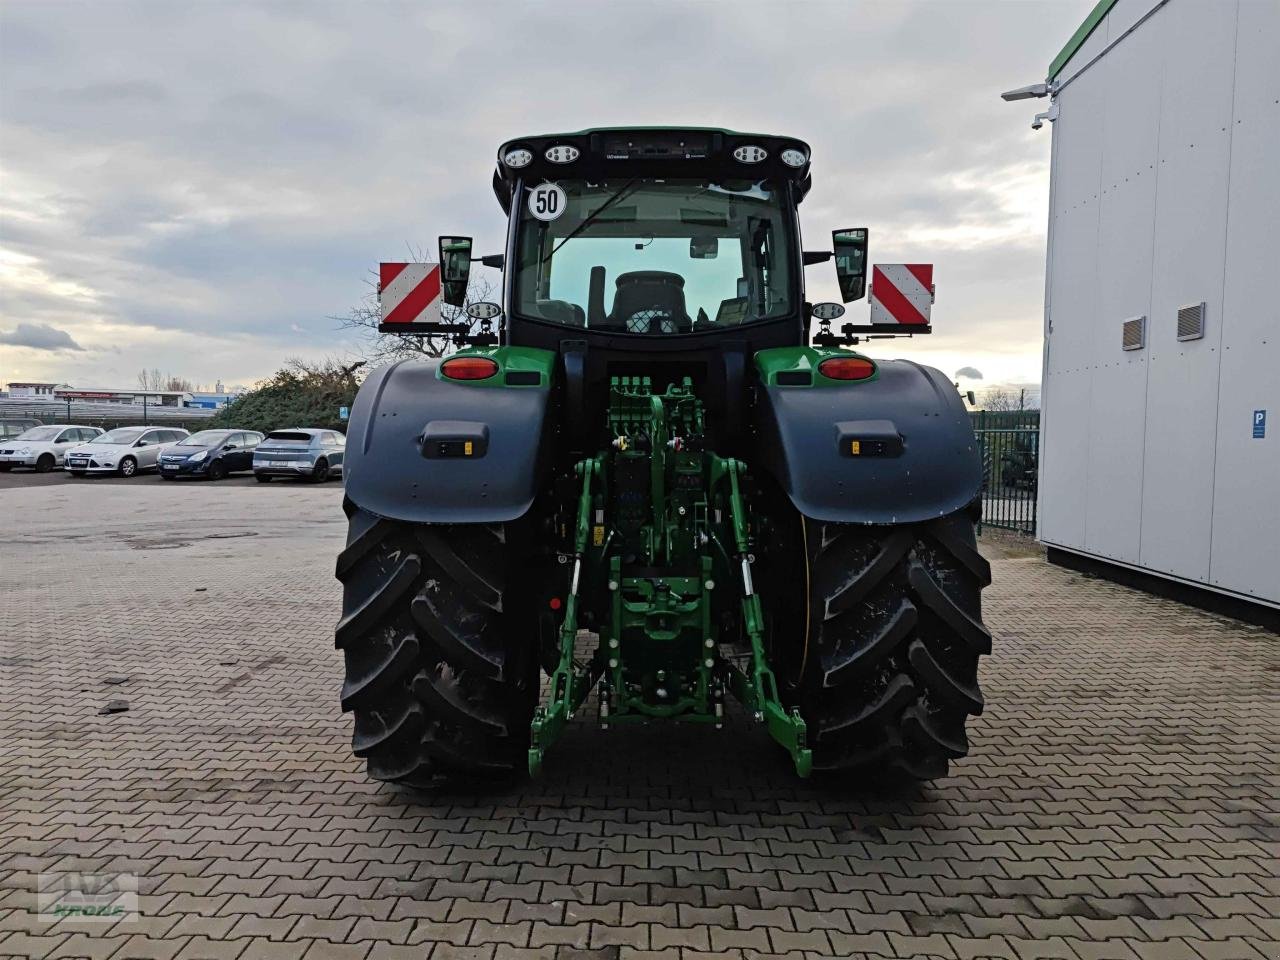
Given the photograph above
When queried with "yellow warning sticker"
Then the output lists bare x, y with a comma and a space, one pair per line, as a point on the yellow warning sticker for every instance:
597, 536
856, 448
467, 447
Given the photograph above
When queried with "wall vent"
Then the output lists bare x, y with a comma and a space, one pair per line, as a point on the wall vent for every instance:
1133, 335
1191, 321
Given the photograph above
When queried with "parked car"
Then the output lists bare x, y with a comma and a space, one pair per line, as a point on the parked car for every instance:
210, 453
124, 451
300, 452
11, 427
43, 448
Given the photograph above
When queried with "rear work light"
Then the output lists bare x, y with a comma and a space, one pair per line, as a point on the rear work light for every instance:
469, 368
847, 368
793, 157
562, 154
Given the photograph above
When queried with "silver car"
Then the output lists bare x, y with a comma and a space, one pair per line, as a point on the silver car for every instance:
299, 452
124, 451
43, 448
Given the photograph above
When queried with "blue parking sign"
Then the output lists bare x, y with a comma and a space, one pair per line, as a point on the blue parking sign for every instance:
344, 413
1259, 424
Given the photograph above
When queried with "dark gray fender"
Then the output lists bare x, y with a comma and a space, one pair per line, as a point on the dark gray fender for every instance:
935, 470
389, 474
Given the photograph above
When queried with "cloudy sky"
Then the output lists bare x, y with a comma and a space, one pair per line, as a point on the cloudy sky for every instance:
200, 186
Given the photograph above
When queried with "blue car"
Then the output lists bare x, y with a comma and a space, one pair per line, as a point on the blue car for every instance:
299, 452
210, 453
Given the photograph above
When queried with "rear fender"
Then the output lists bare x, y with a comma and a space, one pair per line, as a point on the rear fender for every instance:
916, 457
425, 449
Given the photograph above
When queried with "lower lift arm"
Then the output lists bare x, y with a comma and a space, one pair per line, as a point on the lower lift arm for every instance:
759, 691
570, 682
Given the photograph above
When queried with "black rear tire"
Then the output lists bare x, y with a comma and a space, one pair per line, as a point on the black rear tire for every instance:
5, 467
320, 472
439, 674
889, 675
262, 477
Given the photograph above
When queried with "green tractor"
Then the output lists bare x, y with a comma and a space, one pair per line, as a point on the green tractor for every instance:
654, 482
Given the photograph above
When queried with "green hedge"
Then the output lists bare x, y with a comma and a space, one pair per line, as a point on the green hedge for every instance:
297, 396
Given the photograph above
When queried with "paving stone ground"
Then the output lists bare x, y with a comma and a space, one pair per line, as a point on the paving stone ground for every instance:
1122, 797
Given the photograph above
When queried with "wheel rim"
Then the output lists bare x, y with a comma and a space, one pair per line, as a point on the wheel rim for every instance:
127, 468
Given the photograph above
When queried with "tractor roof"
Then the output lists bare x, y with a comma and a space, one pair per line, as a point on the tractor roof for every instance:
600, 152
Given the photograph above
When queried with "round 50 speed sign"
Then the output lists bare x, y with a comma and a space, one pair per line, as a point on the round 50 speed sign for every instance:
547, 201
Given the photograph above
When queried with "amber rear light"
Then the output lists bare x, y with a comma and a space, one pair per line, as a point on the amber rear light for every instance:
847, 368
469, 368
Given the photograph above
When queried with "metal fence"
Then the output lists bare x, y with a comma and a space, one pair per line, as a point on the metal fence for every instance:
1010, 444
108, 416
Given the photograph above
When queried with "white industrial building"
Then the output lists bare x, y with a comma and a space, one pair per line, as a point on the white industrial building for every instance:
1160, 457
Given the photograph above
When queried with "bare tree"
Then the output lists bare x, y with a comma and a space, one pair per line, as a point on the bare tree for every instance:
999, 400
378, 348
153, 379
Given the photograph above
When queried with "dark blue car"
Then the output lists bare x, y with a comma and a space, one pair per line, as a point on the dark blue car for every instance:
210, 453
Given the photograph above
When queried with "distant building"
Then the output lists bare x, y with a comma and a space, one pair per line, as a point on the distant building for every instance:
153, 398
211, 401
32, 390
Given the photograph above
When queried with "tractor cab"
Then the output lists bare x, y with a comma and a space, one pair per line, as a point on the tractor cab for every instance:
622, 238
661, 233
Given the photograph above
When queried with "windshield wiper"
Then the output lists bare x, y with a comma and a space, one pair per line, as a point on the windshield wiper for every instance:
591, 217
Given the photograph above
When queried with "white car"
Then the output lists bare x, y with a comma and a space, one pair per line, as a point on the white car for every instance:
124, 451
43, 448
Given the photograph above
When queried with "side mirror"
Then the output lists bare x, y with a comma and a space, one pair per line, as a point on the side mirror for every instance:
232, 446
143, 443
455, 269
703, 248
851, 262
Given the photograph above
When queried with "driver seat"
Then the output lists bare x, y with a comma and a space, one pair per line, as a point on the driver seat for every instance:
649, 301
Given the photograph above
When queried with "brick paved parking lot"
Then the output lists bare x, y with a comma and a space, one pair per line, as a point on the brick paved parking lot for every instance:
1122, 798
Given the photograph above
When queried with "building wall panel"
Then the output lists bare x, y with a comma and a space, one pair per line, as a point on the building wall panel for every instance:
1073, 297
1190, 233
1117, 417
1245, 553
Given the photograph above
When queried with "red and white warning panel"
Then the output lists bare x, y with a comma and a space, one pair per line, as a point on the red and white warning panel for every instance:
410, 294
901, 294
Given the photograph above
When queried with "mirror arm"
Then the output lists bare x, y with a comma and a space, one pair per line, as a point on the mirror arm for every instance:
817, 256
495, 260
